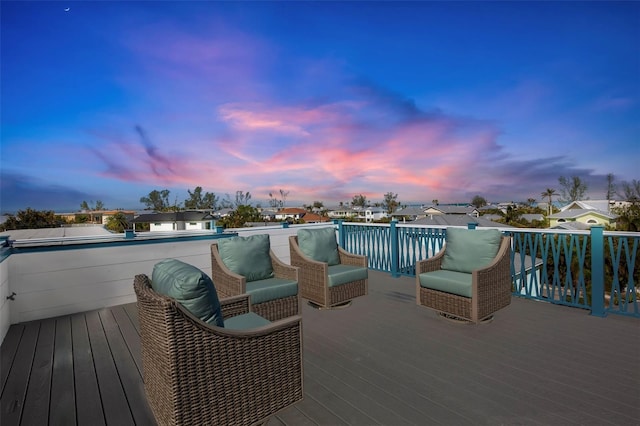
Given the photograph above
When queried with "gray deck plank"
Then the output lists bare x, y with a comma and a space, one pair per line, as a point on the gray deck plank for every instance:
132, 311
127, 370
130, 334
88, 402
15, 389
362, 394
8, 352
63, 404
291, 417
383, 360
114, 401
36, 406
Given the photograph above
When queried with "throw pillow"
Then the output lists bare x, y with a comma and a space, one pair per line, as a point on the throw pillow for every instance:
319, 244
191, 287
467, 250
247, 256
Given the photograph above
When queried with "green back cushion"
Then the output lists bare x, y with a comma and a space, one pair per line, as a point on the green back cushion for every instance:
319, 244
191, 287
247, 256
467, 250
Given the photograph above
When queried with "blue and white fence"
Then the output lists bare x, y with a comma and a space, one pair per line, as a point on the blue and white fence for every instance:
596, 270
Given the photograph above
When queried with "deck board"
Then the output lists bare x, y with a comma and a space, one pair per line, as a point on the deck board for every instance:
381, 361
15, 389
36, 406
62, 409
114, 401
88, 403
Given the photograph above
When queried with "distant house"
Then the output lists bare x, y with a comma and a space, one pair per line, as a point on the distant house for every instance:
100, 217
223, 212
293, 213
370, 214
409, 214
342, 213
176, 221
268, 214
458, 220
580, 215
314, 218
445, 209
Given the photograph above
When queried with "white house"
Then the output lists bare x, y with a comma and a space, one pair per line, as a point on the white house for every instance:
176, 221
370, 214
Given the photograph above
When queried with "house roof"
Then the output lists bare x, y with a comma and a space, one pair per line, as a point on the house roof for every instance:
184, 216
292, 210
312, 217
453, 209
572, 226
575, 213
409, 211
532, 216
457, 220
600, 205
66, 231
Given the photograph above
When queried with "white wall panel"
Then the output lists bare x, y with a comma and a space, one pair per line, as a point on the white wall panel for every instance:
55, 282
5, 304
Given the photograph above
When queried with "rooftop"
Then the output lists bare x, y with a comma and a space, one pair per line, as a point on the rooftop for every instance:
382, 360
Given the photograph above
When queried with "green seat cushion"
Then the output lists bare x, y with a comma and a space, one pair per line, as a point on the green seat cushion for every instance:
271, 289
459, 283
467, 250
247, 256
319, 244
245, 321
343, 274
190, 287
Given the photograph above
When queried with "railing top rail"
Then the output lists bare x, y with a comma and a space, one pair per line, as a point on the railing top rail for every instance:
48, 241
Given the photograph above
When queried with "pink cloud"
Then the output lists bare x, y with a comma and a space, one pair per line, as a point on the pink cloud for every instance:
220, 126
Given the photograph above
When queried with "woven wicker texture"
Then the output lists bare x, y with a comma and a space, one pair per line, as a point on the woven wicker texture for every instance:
491, 290
313, 278
228, 284
196, 374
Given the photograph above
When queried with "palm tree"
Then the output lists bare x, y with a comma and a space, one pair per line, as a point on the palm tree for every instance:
549, 193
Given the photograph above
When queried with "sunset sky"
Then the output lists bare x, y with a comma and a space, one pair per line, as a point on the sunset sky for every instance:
429, 100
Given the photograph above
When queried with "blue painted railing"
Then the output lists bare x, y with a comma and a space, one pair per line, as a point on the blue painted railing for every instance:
594, 270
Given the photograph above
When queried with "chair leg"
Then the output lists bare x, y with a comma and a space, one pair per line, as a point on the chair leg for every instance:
329, 308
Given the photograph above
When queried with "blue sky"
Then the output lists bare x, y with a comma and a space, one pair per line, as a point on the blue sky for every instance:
429, 100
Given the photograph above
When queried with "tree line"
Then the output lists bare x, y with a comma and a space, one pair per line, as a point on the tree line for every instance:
570, 189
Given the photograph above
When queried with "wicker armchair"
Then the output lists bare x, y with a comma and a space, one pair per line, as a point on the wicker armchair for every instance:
198, 374
228, 284
314, 277
491, 287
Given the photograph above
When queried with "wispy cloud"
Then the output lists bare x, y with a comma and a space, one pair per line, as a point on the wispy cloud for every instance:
213, 106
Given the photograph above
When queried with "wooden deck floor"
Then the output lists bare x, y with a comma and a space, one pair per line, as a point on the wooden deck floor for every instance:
381, 361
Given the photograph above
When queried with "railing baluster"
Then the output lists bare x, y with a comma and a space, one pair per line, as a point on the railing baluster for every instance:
597, 271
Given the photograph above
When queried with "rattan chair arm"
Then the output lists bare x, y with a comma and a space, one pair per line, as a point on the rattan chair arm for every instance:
235, 305
347, 258
503, 252
281, 269
293, 321
312, 275
227, 282
431, 264
498, 272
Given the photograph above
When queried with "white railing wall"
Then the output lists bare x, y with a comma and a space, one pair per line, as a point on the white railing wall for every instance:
5, 305
63, 280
